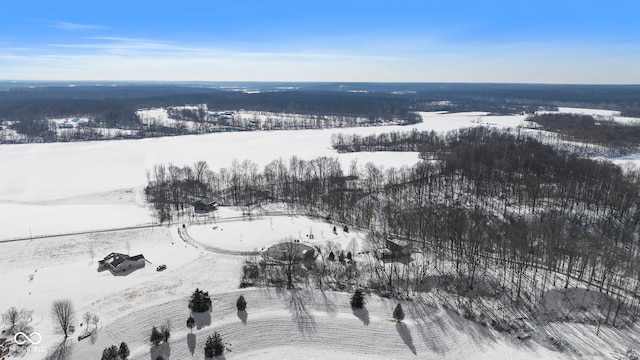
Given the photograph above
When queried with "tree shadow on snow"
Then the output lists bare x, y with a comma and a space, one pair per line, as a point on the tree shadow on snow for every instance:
302, 317
362, 314
62, 352
191, 343
163, 350
405, 334
242, 315
429, 324
202, 319
328, 306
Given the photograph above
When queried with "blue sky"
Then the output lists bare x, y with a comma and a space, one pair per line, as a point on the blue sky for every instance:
249, 40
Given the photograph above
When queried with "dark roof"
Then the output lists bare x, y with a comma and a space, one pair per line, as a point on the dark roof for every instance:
120, 258
206, 201
398, 242
137, 257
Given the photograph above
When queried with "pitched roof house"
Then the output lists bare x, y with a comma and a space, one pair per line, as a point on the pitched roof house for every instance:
116, 262
205, 205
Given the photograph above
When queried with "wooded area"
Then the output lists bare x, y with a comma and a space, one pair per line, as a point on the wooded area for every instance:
486, 201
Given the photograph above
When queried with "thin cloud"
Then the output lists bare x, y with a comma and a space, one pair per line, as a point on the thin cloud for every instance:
69, 26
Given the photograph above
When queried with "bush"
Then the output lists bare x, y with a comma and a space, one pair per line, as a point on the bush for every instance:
241, 304
191, 322
398, 313
214, 346
199, 301
357, 300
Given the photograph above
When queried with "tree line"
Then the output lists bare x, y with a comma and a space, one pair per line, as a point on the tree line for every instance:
601, 132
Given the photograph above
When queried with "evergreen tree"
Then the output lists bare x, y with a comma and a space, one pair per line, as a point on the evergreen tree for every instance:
165, 331
124, 351
191, 322
156, 336
110, 353
241, 304
398, 313
332, 256
341, 256
200, 301
357, 300
214, 346
345, 229
349, 255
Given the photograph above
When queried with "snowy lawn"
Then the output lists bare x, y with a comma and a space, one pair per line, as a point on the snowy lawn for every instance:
259, 232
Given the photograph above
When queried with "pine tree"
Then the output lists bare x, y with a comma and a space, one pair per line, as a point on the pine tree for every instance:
398, 313
156, 336
357, 300
199, 301
341, 256
349, 255
124, 351
214, 346
165, 332
241, 304
191, 322
110, 353
332, 256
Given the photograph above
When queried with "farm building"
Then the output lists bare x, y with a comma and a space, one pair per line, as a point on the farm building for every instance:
205, 205
116, 262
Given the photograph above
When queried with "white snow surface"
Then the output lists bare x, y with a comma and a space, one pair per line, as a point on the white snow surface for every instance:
595, 112
71, 187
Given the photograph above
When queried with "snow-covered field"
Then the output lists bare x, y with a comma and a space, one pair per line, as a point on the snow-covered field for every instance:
50, 189
71, 173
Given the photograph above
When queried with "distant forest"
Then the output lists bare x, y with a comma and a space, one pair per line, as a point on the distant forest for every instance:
25, 106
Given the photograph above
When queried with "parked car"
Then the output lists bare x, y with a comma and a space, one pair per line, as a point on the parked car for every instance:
161, 267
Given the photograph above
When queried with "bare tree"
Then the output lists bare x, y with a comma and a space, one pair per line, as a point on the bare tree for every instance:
16, 319
63, 315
